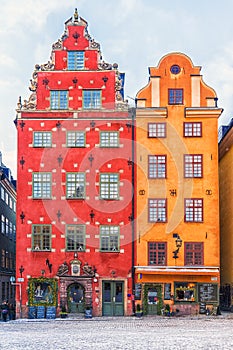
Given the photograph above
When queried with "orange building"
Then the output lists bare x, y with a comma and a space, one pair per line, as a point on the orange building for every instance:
177, 189
226, 208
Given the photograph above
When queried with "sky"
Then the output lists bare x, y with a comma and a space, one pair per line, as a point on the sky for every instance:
136, 34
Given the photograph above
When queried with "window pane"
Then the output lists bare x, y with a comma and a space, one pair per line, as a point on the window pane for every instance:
75, 237
192, 129
59, 99
157, 253
75, 60
41, 185
76, 139
157, 210
193, 165
109, 186
41, 237
75, 185
42, 139
156, 130
194, 253
109, 139
109, 238
193, 210
91, 99
157, 167
175, 96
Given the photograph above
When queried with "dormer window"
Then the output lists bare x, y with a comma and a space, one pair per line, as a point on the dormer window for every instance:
175, 96
75, 60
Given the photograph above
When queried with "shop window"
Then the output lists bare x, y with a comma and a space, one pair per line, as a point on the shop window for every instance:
185, 291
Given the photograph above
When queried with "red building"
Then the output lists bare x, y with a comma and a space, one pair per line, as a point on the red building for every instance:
75, 171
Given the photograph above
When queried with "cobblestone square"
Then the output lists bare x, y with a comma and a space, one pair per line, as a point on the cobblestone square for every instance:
197, 332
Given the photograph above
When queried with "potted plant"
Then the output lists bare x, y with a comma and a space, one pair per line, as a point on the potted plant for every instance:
138, 312
63, 312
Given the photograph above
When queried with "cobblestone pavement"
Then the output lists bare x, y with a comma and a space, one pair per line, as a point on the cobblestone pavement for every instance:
121, 333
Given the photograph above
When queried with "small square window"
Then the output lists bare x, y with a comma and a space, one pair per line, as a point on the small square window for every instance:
175, 96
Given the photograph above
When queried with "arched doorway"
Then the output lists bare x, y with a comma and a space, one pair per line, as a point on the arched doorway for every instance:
76, 298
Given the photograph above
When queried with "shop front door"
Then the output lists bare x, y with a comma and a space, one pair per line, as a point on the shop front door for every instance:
113, 298
76, 298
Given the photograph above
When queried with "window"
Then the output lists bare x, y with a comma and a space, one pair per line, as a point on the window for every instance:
3, 223
157, 253
109, 238
91, 99
2, 194
41, 237
185, 291
175, 96
192, 165
75, 237
76, 139
59, 99
157, 210
42, 139
157, 167
75, 60
75, 185
192, 129
109, 139
41, 185
194, 210
193, 253
156, 129
109, 186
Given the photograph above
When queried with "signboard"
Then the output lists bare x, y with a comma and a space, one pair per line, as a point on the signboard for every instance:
167, 291
207, 292
20, 279
138, 291
51, 312
40, 312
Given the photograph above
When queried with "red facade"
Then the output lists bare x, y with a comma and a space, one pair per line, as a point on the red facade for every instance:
75, 171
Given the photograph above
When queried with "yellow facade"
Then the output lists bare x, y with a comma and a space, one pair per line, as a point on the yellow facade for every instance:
175, 95
226, 206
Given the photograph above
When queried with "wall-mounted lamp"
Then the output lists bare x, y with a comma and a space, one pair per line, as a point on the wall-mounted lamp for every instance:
49, 265
22, 124
130, 162
178, 242
105, 79
22, 161
130, 217
75, 81
91, 158
22, 217
76, 36
21, 270
92, 124
58, 125
128, 125
59, 214
59, 159
92, 215
45, 82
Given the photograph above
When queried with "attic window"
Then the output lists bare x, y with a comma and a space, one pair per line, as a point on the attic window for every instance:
75, 60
